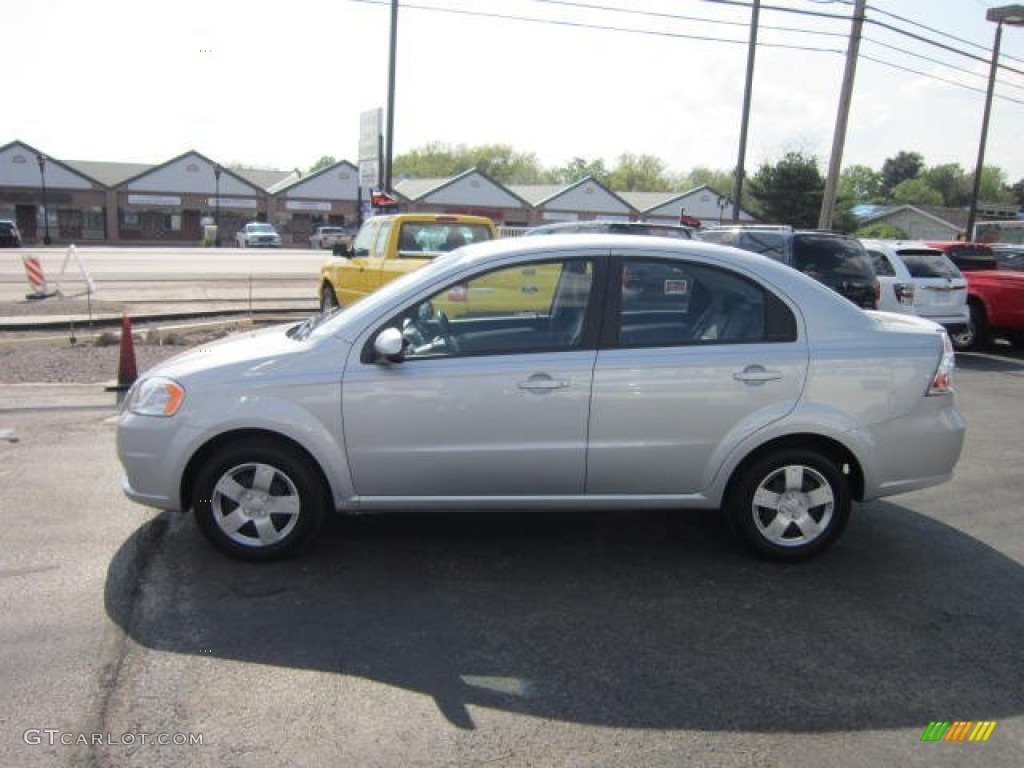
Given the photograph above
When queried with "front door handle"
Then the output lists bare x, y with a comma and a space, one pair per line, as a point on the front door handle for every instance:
541, 382
757, 374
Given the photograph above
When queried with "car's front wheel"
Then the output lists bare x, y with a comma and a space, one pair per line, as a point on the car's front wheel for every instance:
790, 504
257, 500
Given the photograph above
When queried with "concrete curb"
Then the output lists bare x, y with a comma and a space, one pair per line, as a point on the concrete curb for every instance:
44, 322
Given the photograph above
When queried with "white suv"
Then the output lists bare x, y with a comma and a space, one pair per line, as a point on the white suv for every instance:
915, 279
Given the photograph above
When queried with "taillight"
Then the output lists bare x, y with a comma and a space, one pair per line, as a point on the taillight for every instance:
904, 292
942, 381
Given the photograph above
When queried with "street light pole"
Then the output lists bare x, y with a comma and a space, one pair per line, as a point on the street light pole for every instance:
216, 216
1014, 16
46, 210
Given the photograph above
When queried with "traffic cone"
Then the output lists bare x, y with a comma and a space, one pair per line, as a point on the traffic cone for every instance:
126, 370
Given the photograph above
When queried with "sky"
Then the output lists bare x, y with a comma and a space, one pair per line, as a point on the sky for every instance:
275, 84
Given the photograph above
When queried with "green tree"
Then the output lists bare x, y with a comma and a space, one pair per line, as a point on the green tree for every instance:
576, 169
993, 187
639, 173
325, 161
498, 161
951, 181
860, 184
882, 232
1017, 190
789, 192
900, 168
916, 192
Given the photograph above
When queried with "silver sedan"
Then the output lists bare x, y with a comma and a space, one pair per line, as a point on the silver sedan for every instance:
581, 372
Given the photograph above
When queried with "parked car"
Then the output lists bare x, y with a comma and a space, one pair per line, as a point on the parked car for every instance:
916, 279
995, 297
616, 227
258, 234
329, 237
839, 261
658, 375
1009, 256
387, 247
10, 237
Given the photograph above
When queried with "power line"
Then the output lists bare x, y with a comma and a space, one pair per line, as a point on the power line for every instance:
986, 48
712, 39
936, 77
599, 27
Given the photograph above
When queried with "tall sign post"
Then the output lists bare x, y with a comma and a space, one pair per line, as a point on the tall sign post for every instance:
370, 124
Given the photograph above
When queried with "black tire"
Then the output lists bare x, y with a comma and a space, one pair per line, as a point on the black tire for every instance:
975, 335
257, 500
328, 299
789, 505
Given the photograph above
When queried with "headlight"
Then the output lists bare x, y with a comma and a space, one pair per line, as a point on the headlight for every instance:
157, 396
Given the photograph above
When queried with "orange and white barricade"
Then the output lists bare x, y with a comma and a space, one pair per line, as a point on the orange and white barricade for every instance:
36, 277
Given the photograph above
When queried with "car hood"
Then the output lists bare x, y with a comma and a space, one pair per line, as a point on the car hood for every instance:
261, 353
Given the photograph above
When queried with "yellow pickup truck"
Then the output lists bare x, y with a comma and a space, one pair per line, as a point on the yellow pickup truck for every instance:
386, 247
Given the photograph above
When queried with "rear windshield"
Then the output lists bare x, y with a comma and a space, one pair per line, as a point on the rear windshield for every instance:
928, 264
419, 237
836, 257
972, 259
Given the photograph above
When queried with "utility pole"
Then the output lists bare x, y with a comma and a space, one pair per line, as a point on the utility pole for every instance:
828, 203
737, 187
390, 139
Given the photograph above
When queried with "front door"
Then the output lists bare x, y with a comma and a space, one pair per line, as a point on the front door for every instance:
490, 402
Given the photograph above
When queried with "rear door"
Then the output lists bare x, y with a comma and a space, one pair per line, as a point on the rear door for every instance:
693, 358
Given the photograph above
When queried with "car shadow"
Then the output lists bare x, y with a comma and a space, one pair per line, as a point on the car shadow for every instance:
623, 620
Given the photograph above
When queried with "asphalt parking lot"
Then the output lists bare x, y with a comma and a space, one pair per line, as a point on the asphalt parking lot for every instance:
514, 640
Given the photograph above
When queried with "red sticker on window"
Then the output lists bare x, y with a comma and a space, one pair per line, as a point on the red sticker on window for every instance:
676, 287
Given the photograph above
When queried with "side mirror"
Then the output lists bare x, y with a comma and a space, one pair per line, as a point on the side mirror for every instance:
341, 249
389, 345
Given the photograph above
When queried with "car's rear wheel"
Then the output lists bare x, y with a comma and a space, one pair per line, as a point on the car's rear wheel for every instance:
975, 335
258, 501
790, 504
328, 299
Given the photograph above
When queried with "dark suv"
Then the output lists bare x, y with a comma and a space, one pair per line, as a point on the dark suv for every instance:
839, 261
9, 234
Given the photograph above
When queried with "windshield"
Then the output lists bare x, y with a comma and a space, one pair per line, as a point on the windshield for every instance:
260, 228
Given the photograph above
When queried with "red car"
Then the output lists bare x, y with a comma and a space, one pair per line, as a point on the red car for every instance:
995, 297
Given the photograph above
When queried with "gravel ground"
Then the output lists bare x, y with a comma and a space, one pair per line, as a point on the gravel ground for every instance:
49, 356
32, 362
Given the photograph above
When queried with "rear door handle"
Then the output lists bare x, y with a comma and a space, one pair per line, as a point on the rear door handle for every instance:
757, 374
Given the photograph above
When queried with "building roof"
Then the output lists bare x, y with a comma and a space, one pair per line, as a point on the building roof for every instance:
267, 178
110, 174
